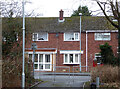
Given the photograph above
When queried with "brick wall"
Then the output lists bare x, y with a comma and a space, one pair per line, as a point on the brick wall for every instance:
60, 44
93, 46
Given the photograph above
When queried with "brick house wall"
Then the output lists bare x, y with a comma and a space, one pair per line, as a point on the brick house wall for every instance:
93, 47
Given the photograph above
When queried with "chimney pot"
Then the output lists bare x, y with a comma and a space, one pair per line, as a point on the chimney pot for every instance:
61, 14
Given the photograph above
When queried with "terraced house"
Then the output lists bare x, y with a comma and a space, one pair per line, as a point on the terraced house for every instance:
58, 41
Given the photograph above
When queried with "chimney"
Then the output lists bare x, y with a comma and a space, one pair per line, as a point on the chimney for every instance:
61, 14
61, 19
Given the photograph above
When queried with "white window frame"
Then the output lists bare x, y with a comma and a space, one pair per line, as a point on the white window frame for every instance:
74, 36
102, 36
44, 63
38, 63
33, 37
68, 59
37, 37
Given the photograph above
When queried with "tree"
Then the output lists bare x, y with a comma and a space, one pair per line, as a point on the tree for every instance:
84, 10
107, 54
11, 10
115, 10
11, 49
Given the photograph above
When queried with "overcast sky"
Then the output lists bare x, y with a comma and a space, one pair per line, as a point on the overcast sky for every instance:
51, 8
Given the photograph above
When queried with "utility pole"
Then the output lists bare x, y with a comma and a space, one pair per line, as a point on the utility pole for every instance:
23, 64
80, 40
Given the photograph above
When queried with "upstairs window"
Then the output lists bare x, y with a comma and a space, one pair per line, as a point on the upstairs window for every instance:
71, 36
102, 36
40, 36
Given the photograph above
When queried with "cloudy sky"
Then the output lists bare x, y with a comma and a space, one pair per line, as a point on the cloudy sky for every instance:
51, 8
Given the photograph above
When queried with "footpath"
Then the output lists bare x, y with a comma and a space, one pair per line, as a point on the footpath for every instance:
62, 79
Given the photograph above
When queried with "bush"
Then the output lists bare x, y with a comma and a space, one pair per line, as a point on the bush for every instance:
106, 73
12, 68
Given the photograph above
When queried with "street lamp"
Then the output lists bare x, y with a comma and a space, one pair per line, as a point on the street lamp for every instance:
80, 40
23, 73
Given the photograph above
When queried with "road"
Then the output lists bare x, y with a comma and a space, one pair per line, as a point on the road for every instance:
62, 81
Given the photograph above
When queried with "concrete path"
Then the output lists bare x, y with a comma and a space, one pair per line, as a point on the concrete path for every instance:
62, 80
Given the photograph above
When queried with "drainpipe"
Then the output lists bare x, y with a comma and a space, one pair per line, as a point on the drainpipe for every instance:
86, 51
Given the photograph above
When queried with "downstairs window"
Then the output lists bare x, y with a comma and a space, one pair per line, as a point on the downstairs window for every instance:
71, 59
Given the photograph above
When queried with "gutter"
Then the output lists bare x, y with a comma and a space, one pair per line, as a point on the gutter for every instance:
101, 30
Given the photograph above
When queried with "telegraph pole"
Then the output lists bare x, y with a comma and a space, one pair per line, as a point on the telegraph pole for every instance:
23, 64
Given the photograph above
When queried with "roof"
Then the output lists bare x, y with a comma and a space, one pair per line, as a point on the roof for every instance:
36, 24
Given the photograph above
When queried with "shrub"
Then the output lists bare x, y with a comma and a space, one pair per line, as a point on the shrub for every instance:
106, 73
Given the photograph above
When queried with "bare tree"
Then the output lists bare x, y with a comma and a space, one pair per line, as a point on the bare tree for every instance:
13, 8
114, 8
12, 48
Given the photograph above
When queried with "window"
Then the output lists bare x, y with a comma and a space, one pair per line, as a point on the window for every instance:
66, 58
102, 36
47, 58
36, 58
41, 58
71, 36
11, 38
98, 58
35, 36
71, 58
40, 36
76, 58
30, 56
76, 36
42, 61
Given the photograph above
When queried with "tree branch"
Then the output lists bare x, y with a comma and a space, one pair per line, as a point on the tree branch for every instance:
117, 8
114, 10
107, 16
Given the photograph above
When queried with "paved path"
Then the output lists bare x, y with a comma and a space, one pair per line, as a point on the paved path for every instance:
62, 80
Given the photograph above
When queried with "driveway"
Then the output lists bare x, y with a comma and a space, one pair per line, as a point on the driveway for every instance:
62, 80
